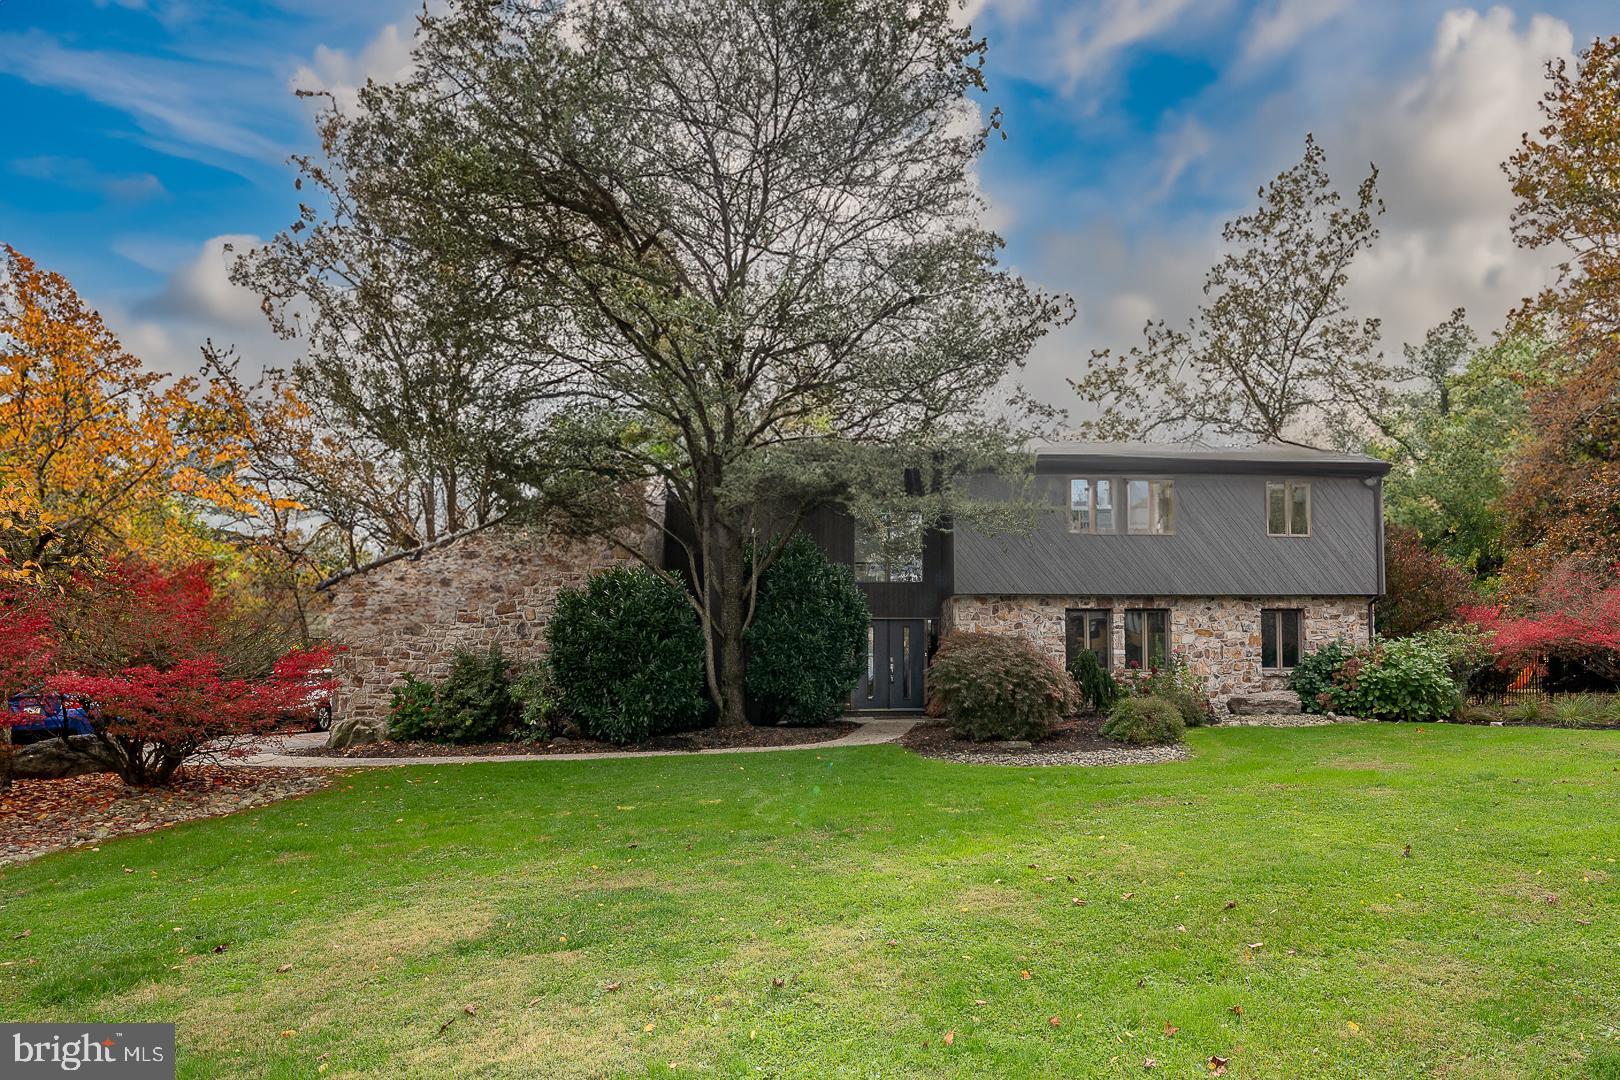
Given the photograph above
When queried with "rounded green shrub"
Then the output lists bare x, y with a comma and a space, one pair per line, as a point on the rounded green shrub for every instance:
998, 686
627, 656
475, 700
1098, 687
1400, 679
1176, 683
1144, 721
806, 640
539, 711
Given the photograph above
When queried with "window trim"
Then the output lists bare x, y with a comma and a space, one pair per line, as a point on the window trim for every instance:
1091, 527
1288, 487
1070, 614
1277, 613
1145, 663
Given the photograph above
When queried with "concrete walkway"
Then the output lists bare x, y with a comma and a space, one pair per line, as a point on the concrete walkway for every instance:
870, 733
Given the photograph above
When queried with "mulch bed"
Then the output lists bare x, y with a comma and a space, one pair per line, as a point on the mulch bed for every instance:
705, 739
1070, 742
37, 816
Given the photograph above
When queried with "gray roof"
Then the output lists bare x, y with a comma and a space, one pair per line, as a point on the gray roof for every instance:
1188, 457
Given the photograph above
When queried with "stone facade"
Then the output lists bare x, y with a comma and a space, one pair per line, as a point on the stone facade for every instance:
408, 615
1218, 636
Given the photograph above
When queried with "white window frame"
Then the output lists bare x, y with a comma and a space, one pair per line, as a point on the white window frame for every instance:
1288, 488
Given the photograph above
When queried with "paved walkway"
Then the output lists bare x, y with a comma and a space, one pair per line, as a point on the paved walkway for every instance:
870, 733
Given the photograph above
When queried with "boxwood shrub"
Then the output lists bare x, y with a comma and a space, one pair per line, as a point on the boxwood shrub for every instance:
473, 704
1144, 721
806, 641
998, 686
627, 656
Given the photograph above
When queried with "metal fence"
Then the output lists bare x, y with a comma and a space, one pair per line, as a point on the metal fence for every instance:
1542, 684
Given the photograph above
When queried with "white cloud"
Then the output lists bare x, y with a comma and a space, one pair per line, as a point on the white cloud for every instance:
340, 72
1093, 35
163, 96
1280, 25
81, 175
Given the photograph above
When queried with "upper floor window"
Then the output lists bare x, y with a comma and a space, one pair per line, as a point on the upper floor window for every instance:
1288, 507
1091, 505
1150, 506
892, 551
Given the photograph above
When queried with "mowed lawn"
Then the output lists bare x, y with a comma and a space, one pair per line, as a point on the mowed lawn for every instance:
869, 913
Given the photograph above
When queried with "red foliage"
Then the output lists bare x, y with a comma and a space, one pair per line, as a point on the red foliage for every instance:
148, 650
1422, 588
26, 645
1573, 615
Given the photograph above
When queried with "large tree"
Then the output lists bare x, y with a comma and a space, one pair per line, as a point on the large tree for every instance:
1564, 498
1274, 353
741, 239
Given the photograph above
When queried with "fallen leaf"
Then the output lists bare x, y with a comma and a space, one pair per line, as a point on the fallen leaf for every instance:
1055, 1021
1079, 902
1181, 928
611, 987
1406, 852
22, 935
893, 942
1551, 899
1170, 1030
289, 1033
1353, 1026
445, 1026
222, 946
1237, 1010
1127, 896
950, 1037
1230, 904
470, 1010
980, 1001
1217, 1065
532, 1003
1255, 944
1023, 974
1150, 1063
650, 1025
283, 969
777, 982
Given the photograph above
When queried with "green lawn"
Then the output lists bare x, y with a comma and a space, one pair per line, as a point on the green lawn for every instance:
897, 899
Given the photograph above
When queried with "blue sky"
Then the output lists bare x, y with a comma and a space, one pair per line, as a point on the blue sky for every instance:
142, 135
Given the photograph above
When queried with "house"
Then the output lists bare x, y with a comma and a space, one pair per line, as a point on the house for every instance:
1238, 561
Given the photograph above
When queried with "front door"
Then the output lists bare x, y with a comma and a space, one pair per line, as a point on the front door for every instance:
893, 675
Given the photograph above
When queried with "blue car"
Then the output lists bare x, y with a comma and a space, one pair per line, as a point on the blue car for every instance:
43, 715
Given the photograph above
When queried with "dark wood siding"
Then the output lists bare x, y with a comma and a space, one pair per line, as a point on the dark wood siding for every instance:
1220, 547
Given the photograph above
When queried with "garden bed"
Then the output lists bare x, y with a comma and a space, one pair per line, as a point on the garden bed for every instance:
38, 816
1074, 741
702, 739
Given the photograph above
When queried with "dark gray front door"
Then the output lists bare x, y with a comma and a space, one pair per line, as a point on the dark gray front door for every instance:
893, 675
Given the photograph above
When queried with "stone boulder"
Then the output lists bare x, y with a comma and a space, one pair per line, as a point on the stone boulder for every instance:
48, 759
356, 731
1265, 703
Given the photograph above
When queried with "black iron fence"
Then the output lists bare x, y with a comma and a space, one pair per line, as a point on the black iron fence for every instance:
1541, 683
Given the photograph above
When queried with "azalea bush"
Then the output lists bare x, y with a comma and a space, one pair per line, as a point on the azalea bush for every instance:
1573, 615
998, 686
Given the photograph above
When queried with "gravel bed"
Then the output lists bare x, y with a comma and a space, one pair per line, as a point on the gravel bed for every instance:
1122, 755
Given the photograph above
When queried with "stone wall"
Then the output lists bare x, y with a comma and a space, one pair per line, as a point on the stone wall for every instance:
407, 616
1219, 637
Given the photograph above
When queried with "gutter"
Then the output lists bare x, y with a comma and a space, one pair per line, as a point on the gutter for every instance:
409, 553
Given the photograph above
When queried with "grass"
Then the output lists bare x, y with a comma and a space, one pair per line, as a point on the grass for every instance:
899, 901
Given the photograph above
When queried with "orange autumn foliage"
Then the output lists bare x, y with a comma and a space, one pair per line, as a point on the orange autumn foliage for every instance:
98, 455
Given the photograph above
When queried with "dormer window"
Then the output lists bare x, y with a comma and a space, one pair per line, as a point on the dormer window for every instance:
1288, 508
1150, 506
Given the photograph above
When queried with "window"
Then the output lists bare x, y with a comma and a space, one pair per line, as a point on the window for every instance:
1281, 638
1087, 629
1288, 508
891, 552
1091, 505
1150, 506
1147, 638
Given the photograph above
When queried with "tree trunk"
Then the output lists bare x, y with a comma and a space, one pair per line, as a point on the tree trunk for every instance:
724, 608
5, 757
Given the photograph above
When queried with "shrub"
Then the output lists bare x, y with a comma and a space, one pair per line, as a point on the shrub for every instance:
1403, 679
806, 641
1312, 677
1179, 685
1527, 711
1579, 710
539, 712
475, 700
410, 709
1423, 589
1098, 687
1144, 721
999, 686
627, 656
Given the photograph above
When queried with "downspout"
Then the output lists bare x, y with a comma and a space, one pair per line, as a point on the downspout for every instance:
1378, 548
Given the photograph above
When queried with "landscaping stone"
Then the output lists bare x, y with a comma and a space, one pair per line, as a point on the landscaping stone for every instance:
1012, 744
48, 759
1265, 703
